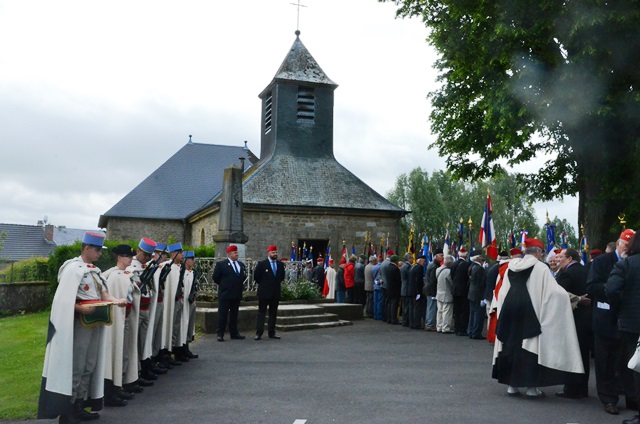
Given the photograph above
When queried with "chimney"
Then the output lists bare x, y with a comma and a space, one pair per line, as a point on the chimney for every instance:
48, 233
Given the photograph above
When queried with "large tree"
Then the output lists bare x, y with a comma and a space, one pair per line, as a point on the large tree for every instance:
437, 200
522, 79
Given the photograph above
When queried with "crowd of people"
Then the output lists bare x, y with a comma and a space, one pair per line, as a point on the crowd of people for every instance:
113, 333
548, 315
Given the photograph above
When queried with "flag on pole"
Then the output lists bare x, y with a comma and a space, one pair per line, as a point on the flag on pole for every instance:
327, 256
447, 242
411, 248
344, 252
564, 240
551, 236
305, 252
523, 237
461, 233
293, 252
584, 248
353, 250
512, 240
487, 233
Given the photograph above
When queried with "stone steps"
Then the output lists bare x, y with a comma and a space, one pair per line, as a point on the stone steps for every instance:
291, 317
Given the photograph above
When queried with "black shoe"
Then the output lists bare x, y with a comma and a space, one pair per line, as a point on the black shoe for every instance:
221, 338
465, 334
81, 414
114, 401
174, 362
634, 420
133, 388
610, 408
144, 383
67, 418
568, 395
147, 374
188, 353
158, 371
123, 394
238, 337
258, 337
273, 336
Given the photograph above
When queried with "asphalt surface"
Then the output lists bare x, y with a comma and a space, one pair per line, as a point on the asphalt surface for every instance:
370, 372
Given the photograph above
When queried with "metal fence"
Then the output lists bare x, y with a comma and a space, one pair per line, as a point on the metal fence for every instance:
204, 268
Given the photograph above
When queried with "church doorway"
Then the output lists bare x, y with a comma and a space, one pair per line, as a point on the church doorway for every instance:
314, 249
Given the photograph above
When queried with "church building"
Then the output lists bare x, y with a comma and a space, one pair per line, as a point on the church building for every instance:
295, 193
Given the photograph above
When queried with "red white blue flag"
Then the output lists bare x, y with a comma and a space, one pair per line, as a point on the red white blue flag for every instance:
487, 233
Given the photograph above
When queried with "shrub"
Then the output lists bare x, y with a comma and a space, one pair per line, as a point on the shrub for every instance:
300, 290
32, 269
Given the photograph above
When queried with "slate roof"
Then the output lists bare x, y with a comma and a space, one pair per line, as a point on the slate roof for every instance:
318, 183
299, 65
63, 236
185, 182
24, 242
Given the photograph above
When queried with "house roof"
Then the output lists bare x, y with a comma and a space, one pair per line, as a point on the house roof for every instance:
185, 182
24, 242
300, 66
319, 183
63, 236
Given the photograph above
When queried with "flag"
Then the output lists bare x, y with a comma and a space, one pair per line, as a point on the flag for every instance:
454, 250
305, 252
523, 237
512, 240
411, 248
447, 242
293, 252
564, 240
353, 250
460, 233
310, 253
344, 252
551, 237
584, 247
327, 256
429, 254
487, 234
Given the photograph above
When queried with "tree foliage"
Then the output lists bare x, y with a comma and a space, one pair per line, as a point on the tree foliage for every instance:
521, 79
438, 199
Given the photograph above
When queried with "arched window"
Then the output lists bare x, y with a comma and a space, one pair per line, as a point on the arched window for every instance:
202, 243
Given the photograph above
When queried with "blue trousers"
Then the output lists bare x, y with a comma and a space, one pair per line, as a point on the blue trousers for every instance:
377, 304
476, 319
340, 296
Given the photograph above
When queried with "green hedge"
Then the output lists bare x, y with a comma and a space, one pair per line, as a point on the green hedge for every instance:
32, 269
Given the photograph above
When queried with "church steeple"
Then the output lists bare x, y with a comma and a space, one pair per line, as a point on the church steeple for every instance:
297, 108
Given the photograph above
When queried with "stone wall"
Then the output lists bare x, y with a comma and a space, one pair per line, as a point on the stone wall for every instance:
156, 229
204, 229
29, 297
282, 227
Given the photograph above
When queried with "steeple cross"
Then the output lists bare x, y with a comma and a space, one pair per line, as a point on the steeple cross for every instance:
298, 18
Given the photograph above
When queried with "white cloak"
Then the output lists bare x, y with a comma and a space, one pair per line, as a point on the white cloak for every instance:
330, 275
557, 346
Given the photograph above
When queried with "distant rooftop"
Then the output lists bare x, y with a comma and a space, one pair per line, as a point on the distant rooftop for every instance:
24, 242
185, 182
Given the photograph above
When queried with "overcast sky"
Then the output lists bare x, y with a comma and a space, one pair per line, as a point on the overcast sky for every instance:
94, 96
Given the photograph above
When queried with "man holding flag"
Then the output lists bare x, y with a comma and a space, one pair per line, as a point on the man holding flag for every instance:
487, 236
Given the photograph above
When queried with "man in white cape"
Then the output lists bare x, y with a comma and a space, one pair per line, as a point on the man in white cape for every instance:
536, 343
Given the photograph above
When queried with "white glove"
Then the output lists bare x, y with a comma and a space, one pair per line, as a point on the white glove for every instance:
483, 303
417, 297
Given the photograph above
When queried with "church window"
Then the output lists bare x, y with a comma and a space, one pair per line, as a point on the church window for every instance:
202, 243
268, 104
306, 103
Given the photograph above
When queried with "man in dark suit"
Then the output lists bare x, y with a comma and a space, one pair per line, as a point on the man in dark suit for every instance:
269, 275
414, 291
460, 277
606, 337
229, 275
573, 278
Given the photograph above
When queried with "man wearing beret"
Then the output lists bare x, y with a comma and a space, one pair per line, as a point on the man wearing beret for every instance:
73, 364
229, 275
536, 341
607, 346
268, 275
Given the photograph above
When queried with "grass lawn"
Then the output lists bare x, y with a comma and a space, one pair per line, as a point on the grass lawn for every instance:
21, 358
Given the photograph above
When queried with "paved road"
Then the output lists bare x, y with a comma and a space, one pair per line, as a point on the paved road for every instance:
366, 373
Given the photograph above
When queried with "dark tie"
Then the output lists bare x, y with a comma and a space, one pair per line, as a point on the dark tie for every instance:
235, 267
